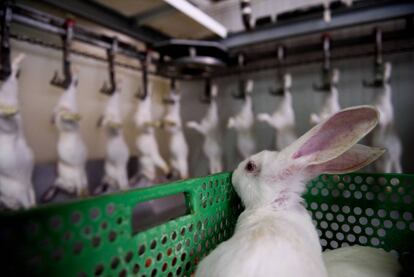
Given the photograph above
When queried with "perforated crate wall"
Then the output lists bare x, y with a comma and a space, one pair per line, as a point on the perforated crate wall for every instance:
366, 209
94, 237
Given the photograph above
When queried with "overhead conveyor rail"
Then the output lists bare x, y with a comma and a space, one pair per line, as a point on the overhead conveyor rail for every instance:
397, 41
365, 12
55, 25
361, 12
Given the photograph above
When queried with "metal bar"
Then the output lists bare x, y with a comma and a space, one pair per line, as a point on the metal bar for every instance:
74, 52
54, 25
316, 25
256, 68
5, 62
37, 24
108, 18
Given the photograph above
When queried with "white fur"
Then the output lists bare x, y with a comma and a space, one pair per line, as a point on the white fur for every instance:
385, 135
117, 152
177, 143
146, 143
330, 102
72, 152
283, 119
243, 123
210, 129
16, 158
274, 236
360, 261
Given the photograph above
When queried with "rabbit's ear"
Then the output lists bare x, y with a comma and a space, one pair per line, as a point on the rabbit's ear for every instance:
334, 136
355, 158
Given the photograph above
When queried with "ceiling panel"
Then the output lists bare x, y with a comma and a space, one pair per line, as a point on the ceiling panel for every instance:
131, 7
178, 25
160, 16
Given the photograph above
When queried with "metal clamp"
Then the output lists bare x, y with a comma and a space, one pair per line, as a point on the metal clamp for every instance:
65, 81
111, 88
379, 70
168, 99
241, 94
207, 91
327, 73
280, 63
143, 92
5, 59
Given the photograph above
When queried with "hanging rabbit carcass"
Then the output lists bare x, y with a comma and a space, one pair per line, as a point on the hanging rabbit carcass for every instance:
16, 159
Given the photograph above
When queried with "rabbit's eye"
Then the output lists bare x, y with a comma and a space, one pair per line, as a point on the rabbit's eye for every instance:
250, 166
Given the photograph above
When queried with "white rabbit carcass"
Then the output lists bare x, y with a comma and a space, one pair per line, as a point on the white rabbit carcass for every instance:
210, 129
274, 235
72, 152
387, 137
385, 134
117, 152
330, 103
16, 158
243, 123
361, 261
177, 144
148, 153
283, 119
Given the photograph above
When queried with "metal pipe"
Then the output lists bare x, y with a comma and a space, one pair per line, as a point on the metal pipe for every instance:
77, 52
54, 25
310, 61
5, 62
358, 14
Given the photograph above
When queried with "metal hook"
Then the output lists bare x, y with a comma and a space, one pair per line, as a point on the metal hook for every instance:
280, 89
5, 59
207, 91
241, 94
169, 100
327, 81
173, 84
65, 81
379, 70
246, 11
109, 90
142, 94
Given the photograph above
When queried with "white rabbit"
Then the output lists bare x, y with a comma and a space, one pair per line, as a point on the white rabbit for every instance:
361, 261
283, 119
178, 147
210, 129
117, 152
72, 152
148, 154
16, 158
331, 101
385, 135
243, 123
274, 235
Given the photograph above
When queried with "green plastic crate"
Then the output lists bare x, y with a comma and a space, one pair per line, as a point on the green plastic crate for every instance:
94, 237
